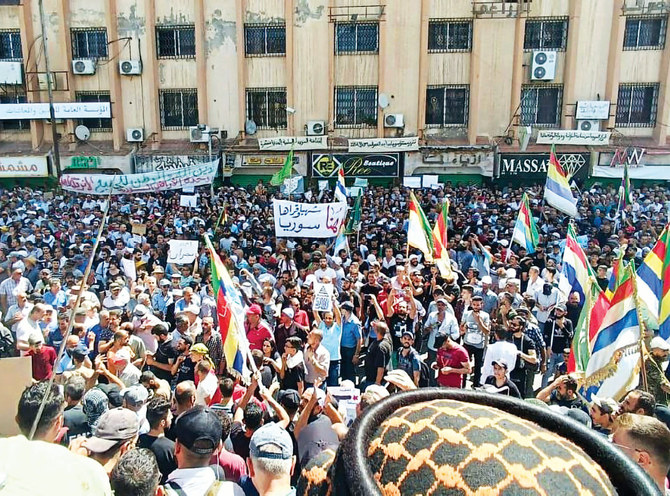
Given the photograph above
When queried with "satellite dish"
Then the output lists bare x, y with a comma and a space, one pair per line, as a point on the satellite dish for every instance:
82, 132
383, 100
250, 127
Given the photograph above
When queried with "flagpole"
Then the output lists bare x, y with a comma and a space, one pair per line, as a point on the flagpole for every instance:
641, 326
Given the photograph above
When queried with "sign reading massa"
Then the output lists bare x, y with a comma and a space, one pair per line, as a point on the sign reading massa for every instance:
533, 166
357, 165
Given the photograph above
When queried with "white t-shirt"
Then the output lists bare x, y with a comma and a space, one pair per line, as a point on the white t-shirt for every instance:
196, 482
500, 349
206, 388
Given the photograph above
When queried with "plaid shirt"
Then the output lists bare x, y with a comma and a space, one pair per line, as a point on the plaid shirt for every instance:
533, 332
10, 287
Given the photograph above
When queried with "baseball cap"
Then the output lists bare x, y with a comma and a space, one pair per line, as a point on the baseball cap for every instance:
271, 441
500, 363
606, 405
199, 348
165, 282
409, 333
347, 305
114, 426
135, 395
289, 398
141, 310
254, 309
487, 280
659, 343
288, 312
199, 430
561, 307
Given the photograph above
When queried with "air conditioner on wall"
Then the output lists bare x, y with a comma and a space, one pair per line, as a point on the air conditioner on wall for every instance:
135, 134
588, 125
130, 67
198, 134
83, 66
543, 67
316, 128
394, 120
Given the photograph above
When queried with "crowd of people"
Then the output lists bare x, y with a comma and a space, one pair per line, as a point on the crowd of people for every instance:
143, 397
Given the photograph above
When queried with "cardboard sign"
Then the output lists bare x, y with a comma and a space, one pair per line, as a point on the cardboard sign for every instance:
17, 374
323, 294
182, 251
190, 201
140, 229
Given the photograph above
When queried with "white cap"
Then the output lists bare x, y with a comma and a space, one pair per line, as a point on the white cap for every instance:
659, 343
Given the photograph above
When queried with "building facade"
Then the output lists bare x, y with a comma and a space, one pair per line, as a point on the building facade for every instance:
464, 76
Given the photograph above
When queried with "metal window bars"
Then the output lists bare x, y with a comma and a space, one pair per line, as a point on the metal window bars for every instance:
541, 105
265, 40
549, 33
447, 105
175, 42
89, 43
637, 105
179, 108
267, 107
645, 32
10, 45
449, 35
95, 124
355, 106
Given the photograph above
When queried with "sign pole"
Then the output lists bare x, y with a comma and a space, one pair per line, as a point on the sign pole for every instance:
52, 113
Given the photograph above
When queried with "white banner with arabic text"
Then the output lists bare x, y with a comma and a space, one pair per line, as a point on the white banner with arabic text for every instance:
384, 145
148, 182
285, 143
182, 251
308, 220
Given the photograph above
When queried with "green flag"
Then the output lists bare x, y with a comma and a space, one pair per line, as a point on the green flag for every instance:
285, 172
355, 217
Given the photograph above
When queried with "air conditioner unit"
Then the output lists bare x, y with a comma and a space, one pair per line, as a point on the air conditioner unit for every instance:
394, 120
543, 67
42, 82
134, 134
316, 128
130, 67
588, 125
198, 134
11, 73
83, 66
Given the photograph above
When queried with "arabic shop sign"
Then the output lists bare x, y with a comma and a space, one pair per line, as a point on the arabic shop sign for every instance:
384, 145
286, 143
23, 167
67, 110
157, 163
642, 7
356, 165
570, 137
308, 220
84, 163
266, 160
533, 166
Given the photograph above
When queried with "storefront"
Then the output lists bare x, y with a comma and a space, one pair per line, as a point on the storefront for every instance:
643, 164
531, 168
155, 163
455, 164
378, 168
246, 169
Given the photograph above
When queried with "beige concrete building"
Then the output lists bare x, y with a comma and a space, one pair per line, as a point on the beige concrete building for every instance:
455, 73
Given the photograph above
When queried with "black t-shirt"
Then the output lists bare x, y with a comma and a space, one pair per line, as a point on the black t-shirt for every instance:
239, 440
558, 338
398, 325
164, 353
293, 376
163, 450
523, 344
379, 354
186, 371
317, 436
575, 402
74, 419
511, 390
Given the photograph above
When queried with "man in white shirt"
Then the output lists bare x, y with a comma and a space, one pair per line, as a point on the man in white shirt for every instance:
440, 321
501, 349
324, 271
29, 325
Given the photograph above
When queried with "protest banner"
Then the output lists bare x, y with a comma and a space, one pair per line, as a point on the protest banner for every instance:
323, 294
182, 251
310, 220
190, 201
149, 182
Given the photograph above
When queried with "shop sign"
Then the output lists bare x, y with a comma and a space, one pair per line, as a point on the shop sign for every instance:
23, 167
533, 166
356, 165
158, 163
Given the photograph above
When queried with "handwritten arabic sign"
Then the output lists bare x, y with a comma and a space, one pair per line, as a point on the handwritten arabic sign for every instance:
308, 220
81, 162
597, 109
23, 167
323, 297
150, 182
356, 165
639, 7
285, 143
384, 145
262, 160
67, 110
154, 163
499, 9
568, 137
182, 251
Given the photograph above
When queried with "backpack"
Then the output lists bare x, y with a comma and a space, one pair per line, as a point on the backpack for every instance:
7, 345
426, 374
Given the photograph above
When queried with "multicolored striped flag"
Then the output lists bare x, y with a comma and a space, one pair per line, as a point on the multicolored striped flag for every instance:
419, 234
617, 273
230, 313
575, 268
440, 241
614, 335
525, 231
653, 283
580, 352
557, 192
341, 192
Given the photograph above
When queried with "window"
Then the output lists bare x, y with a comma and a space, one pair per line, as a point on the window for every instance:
356, 106
175, 42
645, 33
447, 105
264, 40
356, 37
89, 43
449, 36
10, 45
96, 124
179, 109
546, 34
636, 105
541, 105
267, 107
14, 124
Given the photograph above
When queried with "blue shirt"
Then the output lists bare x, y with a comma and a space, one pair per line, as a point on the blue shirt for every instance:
331, 339
57, 300
351, 332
